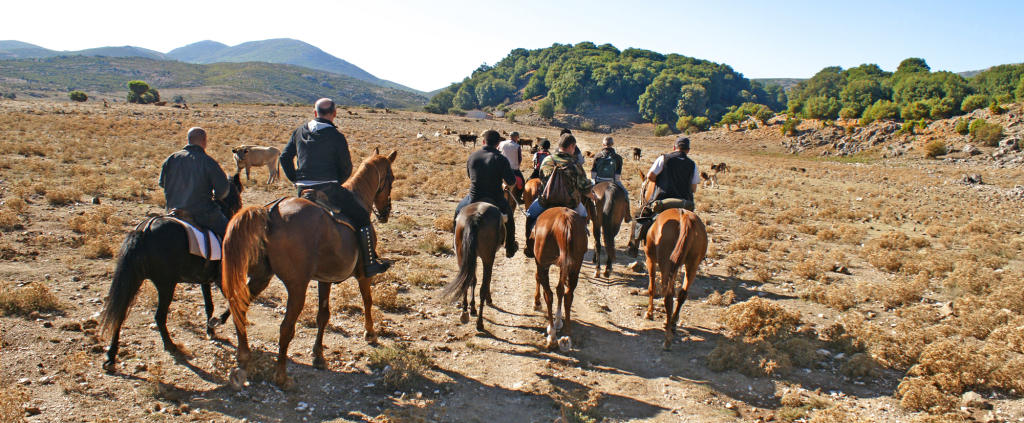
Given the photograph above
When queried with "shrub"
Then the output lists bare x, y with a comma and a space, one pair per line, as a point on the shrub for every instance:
78, 96
141, 93
962, 127
916, 110
935, 148
974, 102
763, 114
661, 130
10, 96
511, 117
456, 111
588, 126
988, 134
849, 113
996, 109
178, 99
36, 297
546, 109
907, 128
399, 363
789, 127
760, 319
882, 109
685, 123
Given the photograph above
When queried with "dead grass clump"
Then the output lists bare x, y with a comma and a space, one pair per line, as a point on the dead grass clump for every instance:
901, 291
100, 247
850, 234
861, 365
802, 352
399, 363
9, 220
789, 217
761, 319
1010, 335
760, 231
972, 278
12, 400
717, 299
797, 404
16, 205
838, 297
261, 366
443, 223
826, 234
434, 244
808, 229
385, 296
754, 359
62, 195
746, 243
831, 415
403, 223
888, 261
921, 394
36, 297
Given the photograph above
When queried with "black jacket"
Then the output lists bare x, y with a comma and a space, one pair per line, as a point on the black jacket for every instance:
608, 152
191, 180
487, 168
675, 180
322, 152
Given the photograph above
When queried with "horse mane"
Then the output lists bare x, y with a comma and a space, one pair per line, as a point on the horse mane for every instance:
369, 172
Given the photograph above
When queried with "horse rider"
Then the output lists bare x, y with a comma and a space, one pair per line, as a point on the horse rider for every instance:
576, 181
512, 151
608, 166
675, 175
539, 156
487, 169
578, 154
192, 180
324, 163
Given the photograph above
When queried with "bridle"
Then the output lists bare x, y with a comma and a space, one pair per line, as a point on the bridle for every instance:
385, 211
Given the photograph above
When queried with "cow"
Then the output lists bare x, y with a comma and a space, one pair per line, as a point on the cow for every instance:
447, 131
526, 142
636, 153
247, 156
463, 138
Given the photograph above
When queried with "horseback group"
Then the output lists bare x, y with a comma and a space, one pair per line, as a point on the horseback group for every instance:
326, 234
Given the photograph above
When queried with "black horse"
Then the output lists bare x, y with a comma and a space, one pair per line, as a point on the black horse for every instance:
158, 251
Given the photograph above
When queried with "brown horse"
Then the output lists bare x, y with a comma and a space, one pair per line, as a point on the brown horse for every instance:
560, 237
531, 191
607, 215
479, 231
298, 241
676, 238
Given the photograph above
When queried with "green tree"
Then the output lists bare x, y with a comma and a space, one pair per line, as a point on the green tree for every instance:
441, 102
861, 94
147, 98
535, 87
493, 91
763, 114
658, 102
849, 113
974, 102
546, 109
178, 98
693, 100
943, 109
822, 108
78, 96
883, 110
138, 87
916, 110
463, 98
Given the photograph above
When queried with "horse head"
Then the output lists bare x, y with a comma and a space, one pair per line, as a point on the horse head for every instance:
382, 197
233, 202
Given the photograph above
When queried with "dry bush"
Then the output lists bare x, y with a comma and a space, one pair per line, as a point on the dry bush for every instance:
103, 228
789, 217
399, 363
861, 365
385, 296
443, 223
747, 211
725, 299
760, 231
434, 244
9, 220
754, 359
761, 319
762, 275
797, 404
921, 394
831, 415
971, 277
62, 195
12, 400
746, 243
851, 234
838, 297
36, 297
403, 223
261, 366
825, 234
1010, 335
901, 291
802, 352
16, 205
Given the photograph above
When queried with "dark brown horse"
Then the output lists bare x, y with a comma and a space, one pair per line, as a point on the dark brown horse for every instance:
479, 231
560, 237
607, 215
298, 241
531, 191
676, 238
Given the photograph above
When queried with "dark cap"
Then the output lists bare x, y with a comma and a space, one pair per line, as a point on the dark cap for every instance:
683, 143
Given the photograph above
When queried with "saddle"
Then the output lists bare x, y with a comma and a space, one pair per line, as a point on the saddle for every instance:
201, 240
653, 209
320, 199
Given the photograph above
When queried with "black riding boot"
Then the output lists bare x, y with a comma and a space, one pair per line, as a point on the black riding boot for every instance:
511, 246
368, 253
530, 221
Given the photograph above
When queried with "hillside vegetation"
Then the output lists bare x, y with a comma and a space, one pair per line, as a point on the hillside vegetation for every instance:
219, 82
574, 77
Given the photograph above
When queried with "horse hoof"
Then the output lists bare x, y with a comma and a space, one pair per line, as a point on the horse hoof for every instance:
287, 384
237, 378
490, 303
648, 316
479, 326
667, 346
565, 343
472, 310
465, 318
172, 348
536, 307
214, 322
608, 273
597, 274
110, 366
371, 337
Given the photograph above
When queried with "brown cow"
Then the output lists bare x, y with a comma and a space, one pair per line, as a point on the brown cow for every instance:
247, 156
636, 153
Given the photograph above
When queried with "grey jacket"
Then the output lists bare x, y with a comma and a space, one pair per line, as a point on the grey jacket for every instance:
191, 180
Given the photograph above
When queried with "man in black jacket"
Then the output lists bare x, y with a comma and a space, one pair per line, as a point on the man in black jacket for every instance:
324, 164
191, 180
487, 169
608, 166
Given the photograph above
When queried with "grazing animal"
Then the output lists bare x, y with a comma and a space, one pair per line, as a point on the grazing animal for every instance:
248, 156
712, 176
636, 153
560, 237
531, 190
164, 103
588, 154
214, 104
479, 231
504, 133
158, 250
297, 241
704, 179
676, 238
525, 142
463, 138
607, 214
105, 103
447, 131
184, 106
533, 150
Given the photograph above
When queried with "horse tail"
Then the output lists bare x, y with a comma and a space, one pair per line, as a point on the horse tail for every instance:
128, 278
682, 247
564, 257
467, 271
608, 212
243, 245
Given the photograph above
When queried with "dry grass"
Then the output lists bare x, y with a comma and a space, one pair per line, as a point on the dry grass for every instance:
443, 223
62, 195
838, 297
12, 399
717, 299
762, 340
399, 363
436, 245
760, 319
36, 297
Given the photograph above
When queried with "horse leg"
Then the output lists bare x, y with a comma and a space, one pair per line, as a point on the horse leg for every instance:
165, 290
542, 281
111, 364
669, 284
323, 316
569, 294
536, 297
296, 300
472, 300
208, 300
464, 318
597, 244
485, 295
652, 273
364, 291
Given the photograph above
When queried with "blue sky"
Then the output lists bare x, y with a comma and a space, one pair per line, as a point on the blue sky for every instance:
428, 44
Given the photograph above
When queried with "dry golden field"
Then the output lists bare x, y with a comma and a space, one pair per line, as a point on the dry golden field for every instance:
835, 290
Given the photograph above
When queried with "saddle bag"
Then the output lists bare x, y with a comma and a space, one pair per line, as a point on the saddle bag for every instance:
556, 193
671, 203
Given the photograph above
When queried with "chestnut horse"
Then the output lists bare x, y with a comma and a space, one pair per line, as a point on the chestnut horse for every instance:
479, 231
530, 191
560, 237
298, 241
676, 238
607, 214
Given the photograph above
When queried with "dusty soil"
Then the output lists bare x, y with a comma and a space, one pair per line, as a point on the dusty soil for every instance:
616, 369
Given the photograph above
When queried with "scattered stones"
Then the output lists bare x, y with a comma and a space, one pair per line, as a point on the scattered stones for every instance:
24, 381
33, 411
971, 150
974, 400
636, 267
946, 310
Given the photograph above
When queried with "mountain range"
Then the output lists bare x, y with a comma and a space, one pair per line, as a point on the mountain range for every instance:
281, 50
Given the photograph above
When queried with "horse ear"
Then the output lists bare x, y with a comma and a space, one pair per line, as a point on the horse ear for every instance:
234, 150
376, 151
237, 180
393, 155
642, 176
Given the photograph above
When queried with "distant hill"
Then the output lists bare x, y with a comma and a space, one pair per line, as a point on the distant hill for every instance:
280, 50
11, 49
255, 82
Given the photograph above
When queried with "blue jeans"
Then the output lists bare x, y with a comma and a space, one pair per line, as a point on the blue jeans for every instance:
536, 209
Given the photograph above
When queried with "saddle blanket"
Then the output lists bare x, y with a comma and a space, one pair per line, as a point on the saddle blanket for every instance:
197, 241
